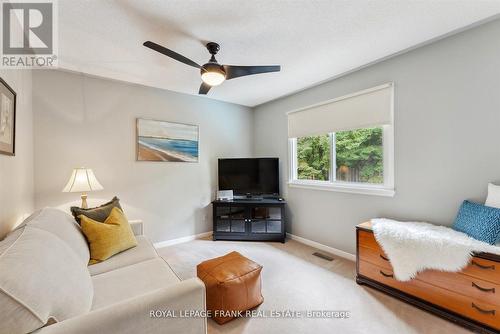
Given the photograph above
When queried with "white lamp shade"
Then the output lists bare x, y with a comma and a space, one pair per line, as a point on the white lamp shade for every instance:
82, 180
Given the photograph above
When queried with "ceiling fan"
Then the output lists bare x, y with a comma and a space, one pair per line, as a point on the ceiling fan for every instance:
212, 73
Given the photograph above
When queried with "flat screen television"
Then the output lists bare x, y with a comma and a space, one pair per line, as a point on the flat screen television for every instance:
249, 176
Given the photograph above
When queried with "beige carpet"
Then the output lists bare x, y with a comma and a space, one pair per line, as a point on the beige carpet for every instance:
293, 279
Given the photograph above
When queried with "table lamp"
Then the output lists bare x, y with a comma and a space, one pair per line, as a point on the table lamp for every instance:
82, 180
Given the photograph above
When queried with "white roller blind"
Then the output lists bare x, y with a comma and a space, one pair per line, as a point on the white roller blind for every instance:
368, 108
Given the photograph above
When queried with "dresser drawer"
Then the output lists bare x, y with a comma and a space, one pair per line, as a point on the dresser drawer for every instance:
479, 268
367, 239
376, 257
463, 284
475, 288
473, 308
483, 269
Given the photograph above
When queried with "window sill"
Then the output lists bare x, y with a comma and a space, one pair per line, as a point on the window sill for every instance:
347, 188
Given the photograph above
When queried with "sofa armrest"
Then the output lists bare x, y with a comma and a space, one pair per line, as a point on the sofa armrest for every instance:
135, 315
137, 227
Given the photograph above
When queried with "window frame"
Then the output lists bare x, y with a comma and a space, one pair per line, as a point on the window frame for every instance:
385, 189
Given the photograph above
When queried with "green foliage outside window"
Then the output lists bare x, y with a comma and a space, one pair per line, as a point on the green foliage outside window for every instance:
313, 157
359, 156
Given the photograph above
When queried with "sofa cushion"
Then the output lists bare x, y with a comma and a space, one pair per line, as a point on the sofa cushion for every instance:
99, 213
111, 237
142, 252
42, 280
63, 226
131, 281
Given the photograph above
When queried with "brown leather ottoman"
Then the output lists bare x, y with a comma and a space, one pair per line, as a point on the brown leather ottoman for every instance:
232, 284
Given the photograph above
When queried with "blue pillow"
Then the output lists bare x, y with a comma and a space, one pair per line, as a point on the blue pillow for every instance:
478, 221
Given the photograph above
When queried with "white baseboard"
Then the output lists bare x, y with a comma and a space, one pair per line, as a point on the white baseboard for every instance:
171, 242
322, 247
304, 241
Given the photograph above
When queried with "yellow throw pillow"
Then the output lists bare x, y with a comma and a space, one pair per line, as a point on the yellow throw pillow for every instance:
111, 237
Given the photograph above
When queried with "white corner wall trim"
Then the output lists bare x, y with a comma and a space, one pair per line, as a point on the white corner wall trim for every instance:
322, 247
181, 240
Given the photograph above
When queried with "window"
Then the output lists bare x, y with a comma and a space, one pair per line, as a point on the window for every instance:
357, 160
356, 156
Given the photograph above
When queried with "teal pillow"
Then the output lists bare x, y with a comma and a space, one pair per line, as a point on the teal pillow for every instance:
478, 221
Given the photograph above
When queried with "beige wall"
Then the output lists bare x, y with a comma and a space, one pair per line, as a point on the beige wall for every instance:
16, 173
447, 138
85, 121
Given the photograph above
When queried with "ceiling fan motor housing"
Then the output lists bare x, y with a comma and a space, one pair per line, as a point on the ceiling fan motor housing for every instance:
213, 48
213, 67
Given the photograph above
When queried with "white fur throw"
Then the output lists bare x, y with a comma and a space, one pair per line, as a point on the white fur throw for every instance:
415, 246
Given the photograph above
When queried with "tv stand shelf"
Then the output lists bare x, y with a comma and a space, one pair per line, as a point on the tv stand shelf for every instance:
249, 219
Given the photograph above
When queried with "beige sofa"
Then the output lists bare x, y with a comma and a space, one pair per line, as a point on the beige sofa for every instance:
46, 286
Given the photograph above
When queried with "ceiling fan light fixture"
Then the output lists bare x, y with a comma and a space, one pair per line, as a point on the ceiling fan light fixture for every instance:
213, 78
212, 74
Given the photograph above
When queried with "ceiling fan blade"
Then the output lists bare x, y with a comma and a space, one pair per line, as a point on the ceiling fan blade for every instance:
234, 71
170, 53
204, 88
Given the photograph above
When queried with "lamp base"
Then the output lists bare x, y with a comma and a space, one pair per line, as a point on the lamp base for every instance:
84, 201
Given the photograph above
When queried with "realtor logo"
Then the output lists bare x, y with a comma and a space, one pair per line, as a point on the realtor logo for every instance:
29, 34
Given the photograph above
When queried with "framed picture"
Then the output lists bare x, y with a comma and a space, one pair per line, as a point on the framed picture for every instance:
7, 119
166, 141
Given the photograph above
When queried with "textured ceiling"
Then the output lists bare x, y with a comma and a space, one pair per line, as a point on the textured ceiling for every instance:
312, 40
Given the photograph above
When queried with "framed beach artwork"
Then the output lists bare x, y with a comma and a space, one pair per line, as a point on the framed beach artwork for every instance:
7, 119
166, 141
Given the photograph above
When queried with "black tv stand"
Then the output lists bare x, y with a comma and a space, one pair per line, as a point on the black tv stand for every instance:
238, 199
253, 219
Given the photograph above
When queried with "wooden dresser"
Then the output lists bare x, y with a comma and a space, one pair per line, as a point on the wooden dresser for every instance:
470, 298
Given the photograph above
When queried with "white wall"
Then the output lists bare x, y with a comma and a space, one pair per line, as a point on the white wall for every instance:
447, 137
16, 172
85, 121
